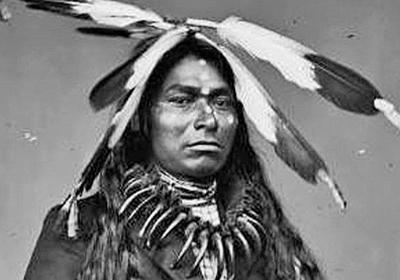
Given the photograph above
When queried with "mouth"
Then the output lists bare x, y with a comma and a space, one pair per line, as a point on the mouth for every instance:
205, 143
211, 146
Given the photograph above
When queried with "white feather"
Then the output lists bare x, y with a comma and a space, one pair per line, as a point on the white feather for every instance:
283, 53
113, 13
254, 98
142, 70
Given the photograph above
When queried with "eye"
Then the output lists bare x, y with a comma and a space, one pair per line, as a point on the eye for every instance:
223, 102
180, 99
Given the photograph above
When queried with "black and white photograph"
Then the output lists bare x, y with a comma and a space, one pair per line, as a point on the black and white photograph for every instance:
199, 140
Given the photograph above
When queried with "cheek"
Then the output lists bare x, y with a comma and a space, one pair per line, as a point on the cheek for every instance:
228, 128
167, 128
231, 121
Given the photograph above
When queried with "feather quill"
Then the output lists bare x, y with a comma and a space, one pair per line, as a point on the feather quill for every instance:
303, 66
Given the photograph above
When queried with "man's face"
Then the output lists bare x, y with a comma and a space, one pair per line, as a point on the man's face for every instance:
193, 120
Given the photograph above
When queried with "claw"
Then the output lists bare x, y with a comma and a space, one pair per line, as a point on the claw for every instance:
243, 243
256, 223
133, 197
179, 219
136, 179
204, 240
131, 175
154, 229
230, 257
191, 230
297, 268
141, 206
135, 172
250, 229
146, 225
131, 185
217, 241
251, 213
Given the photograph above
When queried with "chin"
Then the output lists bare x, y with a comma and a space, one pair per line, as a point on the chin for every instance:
205, 168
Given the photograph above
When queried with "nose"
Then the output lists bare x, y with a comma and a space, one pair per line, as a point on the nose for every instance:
205, 117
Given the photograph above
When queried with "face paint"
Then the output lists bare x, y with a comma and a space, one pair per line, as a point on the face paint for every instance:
231, 120
202, 62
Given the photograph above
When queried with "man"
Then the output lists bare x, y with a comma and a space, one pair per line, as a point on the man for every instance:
182, 194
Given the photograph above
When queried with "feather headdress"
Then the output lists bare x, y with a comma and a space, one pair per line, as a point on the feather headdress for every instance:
298, 64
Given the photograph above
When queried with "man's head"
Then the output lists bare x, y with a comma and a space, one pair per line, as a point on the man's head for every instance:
189, 111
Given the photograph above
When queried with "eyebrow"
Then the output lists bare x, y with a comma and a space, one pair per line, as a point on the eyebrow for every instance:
225, 90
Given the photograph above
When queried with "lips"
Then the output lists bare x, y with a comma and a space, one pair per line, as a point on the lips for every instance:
205, 146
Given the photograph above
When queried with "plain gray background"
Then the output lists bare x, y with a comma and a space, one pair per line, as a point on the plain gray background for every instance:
48, 131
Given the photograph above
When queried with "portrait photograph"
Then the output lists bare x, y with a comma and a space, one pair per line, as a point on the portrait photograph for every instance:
209, 140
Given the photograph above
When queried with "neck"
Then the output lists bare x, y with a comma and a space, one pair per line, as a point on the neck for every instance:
205, 182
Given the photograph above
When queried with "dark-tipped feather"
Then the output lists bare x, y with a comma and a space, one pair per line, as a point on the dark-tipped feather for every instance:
57, 7
104, 12
344, 87
295, 151
112, 87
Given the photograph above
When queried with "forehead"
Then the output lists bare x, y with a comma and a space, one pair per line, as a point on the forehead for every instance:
195, 72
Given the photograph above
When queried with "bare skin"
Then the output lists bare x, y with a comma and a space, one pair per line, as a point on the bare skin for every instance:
193, 121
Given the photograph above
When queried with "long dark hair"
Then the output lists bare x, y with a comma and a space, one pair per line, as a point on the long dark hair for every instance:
240, 182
